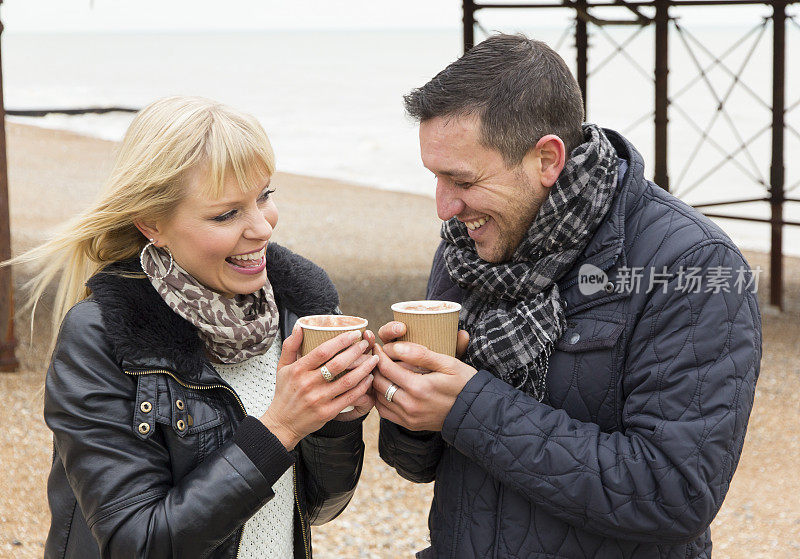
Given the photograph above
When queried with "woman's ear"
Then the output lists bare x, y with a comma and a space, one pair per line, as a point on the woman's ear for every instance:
552, 158
149, 230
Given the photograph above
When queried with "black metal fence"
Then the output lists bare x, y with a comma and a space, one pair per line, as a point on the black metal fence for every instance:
727, 151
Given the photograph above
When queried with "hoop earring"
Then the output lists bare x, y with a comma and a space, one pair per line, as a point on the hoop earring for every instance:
141, 261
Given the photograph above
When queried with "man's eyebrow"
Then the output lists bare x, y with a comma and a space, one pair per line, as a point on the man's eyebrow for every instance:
458, 173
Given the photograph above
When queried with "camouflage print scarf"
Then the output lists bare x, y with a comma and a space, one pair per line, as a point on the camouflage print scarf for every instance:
233, 328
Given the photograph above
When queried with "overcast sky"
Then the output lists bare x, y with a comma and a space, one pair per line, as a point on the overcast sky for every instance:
196, 15
83, 15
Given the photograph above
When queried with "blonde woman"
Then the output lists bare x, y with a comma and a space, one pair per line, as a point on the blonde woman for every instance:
184, 424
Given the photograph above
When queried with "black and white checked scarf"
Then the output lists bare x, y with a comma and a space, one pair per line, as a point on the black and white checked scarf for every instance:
512, 310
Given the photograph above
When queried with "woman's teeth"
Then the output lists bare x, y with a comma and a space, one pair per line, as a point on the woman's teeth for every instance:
248, 260
472, 225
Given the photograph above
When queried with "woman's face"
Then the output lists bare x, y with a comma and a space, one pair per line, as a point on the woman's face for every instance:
222, 242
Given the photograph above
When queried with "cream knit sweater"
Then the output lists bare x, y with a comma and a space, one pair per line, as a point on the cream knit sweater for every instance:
269, 532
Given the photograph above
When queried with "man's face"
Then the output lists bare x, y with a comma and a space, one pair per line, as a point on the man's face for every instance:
474, 185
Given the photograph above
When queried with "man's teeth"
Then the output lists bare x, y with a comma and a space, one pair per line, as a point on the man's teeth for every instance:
253, 256
472, 225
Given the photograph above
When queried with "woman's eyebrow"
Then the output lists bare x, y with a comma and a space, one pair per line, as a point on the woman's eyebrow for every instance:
231, 203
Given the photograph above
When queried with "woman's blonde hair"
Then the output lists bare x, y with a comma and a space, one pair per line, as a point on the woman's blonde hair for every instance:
168, 140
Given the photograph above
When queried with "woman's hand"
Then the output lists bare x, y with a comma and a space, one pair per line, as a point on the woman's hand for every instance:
366, 402
304, 401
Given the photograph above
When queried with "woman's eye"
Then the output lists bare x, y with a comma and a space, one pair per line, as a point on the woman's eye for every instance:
266, 194
225, 217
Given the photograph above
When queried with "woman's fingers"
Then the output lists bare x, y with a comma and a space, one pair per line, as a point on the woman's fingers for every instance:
369, 335
346, 358
361, 358
351, 378
391, 331
324, 352
353, 385
291, 346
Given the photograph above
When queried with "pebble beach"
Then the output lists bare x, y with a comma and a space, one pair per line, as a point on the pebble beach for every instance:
377, 247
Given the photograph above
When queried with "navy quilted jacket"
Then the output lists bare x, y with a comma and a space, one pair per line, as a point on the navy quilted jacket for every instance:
649, 393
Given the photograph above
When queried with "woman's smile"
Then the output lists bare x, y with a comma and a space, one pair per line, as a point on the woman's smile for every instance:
249, 262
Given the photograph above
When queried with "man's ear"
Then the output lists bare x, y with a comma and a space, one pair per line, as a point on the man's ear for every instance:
552, 158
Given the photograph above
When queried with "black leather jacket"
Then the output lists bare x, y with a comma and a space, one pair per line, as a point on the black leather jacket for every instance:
154, 454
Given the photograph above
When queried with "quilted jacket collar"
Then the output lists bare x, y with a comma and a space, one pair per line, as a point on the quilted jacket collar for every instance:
606, 248
145, 333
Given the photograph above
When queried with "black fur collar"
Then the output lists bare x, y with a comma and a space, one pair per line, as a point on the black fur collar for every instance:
145, 333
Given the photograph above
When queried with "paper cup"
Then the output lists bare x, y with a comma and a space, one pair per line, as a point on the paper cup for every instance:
433, 324
320, 328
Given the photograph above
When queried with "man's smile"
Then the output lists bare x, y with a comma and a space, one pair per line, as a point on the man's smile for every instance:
472, 225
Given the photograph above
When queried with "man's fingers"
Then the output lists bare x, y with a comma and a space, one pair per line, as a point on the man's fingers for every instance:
395, 373
381, 384
388, 413
419, 356
462, 341
391, 331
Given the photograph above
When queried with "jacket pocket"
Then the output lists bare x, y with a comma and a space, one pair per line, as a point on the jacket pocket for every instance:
583, 375
194, 425
589, 334
188, 411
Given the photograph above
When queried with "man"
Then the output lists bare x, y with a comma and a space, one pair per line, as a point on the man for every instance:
599, 405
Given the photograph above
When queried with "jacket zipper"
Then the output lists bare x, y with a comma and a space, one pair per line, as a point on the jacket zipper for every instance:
187, 385
300, 513
497, 526
207, 387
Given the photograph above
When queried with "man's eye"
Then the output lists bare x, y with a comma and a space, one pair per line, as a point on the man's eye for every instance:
462, 184
225, 217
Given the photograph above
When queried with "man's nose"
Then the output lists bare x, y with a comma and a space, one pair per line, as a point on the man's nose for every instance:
448, 200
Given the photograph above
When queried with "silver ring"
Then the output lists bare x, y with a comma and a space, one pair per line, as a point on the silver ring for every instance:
390, 392
326, 374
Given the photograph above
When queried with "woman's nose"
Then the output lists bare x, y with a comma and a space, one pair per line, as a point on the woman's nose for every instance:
259, 226
448, 200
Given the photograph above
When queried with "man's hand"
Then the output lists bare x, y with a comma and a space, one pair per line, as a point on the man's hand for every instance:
422, 401
390, 331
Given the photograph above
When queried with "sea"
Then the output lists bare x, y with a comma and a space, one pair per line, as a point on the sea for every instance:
331, 100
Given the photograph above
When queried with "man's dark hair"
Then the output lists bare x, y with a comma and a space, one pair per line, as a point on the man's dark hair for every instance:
520, 89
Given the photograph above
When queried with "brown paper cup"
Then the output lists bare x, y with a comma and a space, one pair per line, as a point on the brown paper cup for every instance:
320, 328
433, 324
